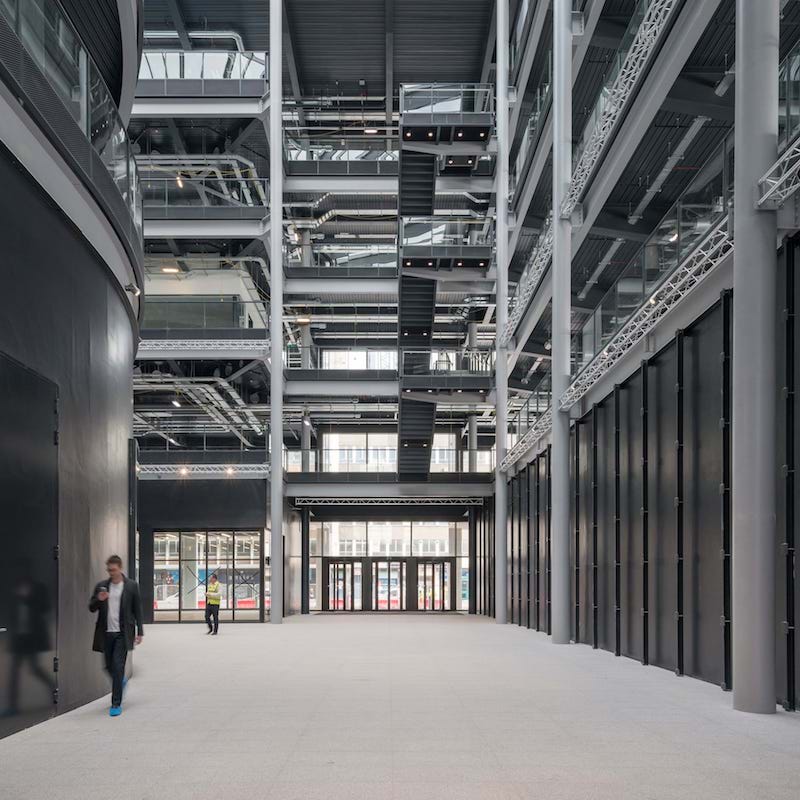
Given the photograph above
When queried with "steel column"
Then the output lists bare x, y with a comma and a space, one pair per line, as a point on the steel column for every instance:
305, 559
754, 363
501, 355
276, 308
577, 513
562, 308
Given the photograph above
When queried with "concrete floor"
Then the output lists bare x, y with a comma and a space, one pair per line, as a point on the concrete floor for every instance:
345, 708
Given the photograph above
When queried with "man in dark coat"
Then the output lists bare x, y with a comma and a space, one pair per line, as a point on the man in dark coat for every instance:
119, 625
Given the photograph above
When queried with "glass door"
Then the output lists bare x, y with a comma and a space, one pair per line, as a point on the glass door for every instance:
344, 586
435, 585
389, 585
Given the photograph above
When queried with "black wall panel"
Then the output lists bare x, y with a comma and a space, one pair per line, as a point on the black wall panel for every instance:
584, 510
524, 483
662, 493
61, 316
605, 525
194, 504
573, 538
632, 599
703, 593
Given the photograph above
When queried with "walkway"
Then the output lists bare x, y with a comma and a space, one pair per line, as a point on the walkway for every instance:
411, 708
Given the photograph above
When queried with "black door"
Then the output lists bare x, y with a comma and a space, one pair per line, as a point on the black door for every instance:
28, 543
342, 585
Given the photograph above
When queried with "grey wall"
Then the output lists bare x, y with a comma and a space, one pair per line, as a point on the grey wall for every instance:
61, 315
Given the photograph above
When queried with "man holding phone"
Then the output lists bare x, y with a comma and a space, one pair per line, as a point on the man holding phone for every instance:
119, 625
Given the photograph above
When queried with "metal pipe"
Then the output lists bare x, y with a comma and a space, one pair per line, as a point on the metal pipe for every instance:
276, 309
501, 358
754, 474
560, 337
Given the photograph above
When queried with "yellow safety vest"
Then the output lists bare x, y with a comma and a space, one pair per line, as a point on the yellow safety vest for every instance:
213, 594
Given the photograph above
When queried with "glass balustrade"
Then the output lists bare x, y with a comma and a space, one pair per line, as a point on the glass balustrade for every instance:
446, 232
208, 68
443, 460
446, 98
542, 99
342, 154
47, 34
522, 420
701, 206
436, 362
226, 192
789, 97
235, 317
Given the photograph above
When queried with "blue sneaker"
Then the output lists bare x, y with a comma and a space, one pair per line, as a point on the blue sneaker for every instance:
115, 711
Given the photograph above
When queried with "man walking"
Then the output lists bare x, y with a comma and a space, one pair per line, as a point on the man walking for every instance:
213, 597
119, 625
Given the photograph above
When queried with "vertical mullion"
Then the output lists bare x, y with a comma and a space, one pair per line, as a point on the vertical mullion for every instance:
595, 636
538, 542
789, 545
725, 490
645, 513
617, 532
679, 498
577, 531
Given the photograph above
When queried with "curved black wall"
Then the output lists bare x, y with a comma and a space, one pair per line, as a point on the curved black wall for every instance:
62, 316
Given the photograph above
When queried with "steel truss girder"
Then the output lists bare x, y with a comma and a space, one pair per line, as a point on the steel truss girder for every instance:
647, 36
712, 250
388, 501
160, 346
782, 180
529, 281
188, 471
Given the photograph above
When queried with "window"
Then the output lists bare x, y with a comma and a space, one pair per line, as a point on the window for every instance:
389, 538
344, 538
443, 455
359, 452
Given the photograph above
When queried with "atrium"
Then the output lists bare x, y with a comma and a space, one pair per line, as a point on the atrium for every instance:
436, 356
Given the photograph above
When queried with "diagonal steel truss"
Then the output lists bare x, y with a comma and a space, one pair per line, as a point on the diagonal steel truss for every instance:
156, 346
181, 471
782, 180
644, 43
647, 36
708, 254
529, 281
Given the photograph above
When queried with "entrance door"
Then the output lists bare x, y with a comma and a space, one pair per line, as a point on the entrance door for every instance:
389, 585
344, 591
435, 585
28, 542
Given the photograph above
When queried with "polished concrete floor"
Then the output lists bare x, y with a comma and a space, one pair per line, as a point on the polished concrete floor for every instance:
345, 708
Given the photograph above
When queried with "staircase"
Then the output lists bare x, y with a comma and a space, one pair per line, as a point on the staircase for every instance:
415, 422
417, 183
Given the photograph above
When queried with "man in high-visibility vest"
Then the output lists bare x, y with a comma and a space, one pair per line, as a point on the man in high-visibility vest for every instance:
213, 597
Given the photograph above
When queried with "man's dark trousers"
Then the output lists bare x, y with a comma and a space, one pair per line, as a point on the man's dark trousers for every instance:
116, 654
212, 614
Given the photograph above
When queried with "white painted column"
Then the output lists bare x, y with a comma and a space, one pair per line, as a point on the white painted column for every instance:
501, 356
754, 371
276, 306
562, 308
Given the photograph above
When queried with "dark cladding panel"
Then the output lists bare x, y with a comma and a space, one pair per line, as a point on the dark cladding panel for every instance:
585, 523
524, 504
703, 598
662, 491
605, 524
631, 495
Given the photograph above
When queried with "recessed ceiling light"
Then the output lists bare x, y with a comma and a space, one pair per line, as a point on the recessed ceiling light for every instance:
170, 270
430, 134
408, 263
460, 134
370, 130
302, 320
176, 403
408, 134
482, 134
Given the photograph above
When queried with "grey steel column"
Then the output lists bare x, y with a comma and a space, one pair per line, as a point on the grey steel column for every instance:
305, 248
754, 465
306, 345
501, 298
472, 419
276, 306
562, 307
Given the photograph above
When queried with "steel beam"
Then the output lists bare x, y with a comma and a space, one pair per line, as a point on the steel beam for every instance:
501, 359
754, 372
